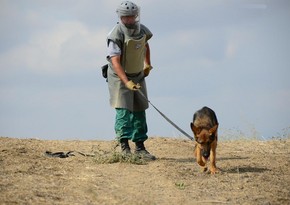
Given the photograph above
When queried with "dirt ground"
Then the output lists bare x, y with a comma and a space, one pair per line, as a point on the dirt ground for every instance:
252, 172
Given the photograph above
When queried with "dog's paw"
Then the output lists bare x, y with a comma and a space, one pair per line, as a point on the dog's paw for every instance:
214, 170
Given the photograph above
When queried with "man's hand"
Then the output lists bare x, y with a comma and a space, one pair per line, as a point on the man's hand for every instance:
147, 69
132, 86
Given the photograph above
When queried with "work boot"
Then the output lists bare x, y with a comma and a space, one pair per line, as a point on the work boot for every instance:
142, 152
125, 148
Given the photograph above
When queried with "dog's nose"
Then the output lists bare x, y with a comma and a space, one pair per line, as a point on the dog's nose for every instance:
205, 154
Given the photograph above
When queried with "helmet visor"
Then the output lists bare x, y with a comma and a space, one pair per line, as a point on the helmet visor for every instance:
130, 22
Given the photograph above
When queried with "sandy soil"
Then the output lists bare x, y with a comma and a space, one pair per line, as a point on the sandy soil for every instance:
252, 172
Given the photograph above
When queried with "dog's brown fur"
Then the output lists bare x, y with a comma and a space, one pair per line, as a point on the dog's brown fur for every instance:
204, 128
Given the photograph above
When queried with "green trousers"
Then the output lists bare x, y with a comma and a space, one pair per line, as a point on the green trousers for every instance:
131, 125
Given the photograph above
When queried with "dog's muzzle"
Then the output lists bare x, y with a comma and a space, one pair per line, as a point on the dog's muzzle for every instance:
205, 154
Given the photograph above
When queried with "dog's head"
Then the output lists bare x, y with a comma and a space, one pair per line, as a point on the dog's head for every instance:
204, 138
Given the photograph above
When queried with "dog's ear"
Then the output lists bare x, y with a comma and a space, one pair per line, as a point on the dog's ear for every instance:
195, 129
213, 129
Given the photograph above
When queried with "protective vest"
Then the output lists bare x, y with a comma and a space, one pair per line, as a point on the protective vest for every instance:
133, 48
133, 55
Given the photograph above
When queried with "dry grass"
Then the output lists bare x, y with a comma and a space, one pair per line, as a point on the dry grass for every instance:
252, 172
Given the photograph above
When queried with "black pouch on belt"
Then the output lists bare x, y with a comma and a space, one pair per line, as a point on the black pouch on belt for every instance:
105, 71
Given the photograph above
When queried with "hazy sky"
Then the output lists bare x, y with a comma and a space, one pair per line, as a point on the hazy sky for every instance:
230, 55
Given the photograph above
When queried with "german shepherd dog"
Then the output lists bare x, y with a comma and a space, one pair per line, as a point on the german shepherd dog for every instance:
204, 128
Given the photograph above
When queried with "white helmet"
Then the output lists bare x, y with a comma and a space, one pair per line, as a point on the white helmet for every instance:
128, 8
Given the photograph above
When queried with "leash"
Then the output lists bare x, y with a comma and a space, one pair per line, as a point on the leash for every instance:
164, 116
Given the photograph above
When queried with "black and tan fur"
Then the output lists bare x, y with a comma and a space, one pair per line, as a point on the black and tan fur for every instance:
204, 128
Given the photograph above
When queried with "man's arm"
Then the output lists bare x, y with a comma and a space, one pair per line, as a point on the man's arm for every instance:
147, 55
116, 62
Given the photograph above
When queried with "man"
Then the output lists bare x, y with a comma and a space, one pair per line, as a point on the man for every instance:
129, 64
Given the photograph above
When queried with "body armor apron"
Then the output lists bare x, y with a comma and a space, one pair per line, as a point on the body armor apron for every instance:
134, 54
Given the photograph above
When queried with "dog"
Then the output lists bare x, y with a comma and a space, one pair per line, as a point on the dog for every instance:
204, 127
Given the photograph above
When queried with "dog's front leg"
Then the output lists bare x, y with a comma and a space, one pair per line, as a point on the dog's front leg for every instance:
213, 168
200, 160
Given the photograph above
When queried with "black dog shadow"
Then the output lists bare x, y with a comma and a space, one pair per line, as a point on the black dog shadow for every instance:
193, 159
231, 158
246, 169
183, 160
235, 170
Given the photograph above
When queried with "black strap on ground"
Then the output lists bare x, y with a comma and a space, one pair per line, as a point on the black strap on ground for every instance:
166, 118
67, 154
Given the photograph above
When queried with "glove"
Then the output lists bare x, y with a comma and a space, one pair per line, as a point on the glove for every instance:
132, 86
147, 69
